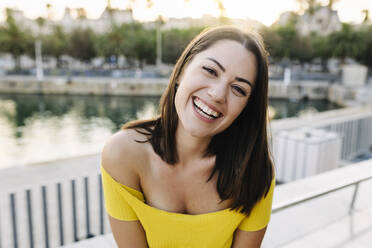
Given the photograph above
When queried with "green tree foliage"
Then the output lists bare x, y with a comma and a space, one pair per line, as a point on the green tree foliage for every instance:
110, 43
139, 43
55, 44
272, 41
285, 42
131, 40
365, 54
322, 48
15, 40
175, 40
346, 43
81, 44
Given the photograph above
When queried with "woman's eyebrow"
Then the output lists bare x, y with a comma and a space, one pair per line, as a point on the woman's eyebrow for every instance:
243, 80
218, 64
223, 69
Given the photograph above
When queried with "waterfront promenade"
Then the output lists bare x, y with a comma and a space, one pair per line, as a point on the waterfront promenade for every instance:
321, 222
296, 89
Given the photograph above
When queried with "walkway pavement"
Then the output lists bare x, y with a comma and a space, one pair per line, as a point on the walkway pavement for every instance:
325, 222
42, 173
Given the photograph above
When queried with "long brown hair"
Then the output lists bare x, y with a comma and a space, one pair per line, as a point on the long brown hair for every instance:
243, 162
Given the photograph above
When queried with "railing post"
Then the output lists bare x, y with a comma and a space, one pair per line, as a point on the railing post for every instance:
87, 211
354, 197
29, 217
45, 214
60, 214
74, 214
14, 220
0, 232
101, 220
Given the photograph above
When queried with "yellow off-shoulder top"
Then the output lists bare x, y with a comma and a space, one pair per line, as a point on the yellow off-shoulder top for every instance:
175, 230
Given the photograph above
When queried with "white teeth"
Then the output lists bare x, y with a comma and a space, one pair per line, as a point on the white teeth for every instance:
204, 114
205, 108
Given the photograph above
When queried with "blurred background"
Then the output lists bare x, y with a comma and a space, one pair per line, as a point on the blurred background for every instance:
73, 72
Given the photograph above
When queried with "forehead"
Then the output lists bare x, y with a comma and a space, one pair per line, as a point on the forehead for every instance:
232, 55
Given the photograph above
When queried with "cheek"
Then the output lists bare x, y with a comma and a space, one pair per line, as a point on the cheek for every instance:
237, 108
180, 99
177, 102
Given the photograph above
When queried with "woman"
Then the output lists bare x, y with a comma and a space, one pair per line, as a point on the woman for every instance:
200, 175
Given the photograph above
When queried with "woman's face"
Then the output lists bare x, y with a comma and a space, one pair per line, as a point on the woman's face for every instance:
214, 88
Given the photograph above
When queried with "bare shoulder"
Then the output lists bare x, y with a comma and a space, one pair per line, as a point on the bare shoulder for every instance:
124, 158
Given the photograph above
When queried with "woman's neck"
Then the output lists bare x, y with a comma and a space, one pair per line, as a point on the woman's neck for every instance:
190, 148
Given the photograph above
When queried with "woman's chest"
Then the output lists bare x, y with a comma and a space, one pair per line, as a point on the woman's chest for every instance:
181, 191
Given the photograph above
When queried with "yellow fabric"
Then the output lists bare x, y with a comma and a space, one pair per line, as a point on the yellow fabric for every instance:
166, 229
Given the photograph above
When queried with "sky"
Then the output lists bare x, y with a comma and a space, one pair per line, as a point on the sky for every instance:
264, 11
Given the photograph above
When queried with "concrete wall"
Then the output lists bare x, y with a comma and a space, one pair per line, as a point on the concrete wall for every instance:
83, 86
350, 95
140, 86
296, 90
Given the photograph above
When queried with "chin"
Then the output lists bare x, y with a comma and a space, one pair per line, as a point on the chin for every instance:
197, 133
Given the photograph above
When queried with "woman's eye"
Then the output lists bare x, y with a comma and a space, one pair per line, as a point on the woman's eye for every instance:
240, 90
210, 71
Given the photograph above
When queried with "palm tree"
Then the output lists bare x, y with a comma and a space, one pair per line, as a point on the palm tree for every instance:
81, 13
40, 23
222, 9
14, 40
130, 5
365, 12
330, 3
49, 7
308, 5
149, 4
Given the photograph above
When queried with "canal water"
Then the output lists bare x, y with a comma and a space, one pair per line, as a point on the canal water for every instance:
36, 129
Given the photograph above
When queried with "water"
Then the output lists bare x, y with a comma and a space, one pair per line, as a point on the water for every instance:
37, 129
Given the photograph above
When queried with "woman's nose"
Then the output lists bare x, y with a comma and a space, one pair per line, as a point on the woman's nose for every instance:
217, 92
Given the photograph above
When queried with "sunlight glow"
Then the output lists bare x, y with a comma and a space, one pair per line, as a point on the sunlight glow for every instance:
265, 11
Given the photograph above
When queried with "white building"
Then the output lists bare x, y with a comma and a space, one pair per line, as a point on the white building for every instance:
323, 21
68, 22
209, 21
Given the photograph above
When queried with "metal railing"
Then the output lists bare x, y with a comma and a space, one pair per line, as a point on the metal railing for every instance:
353, 126
307, 197
53, 215
344, 177
76, 194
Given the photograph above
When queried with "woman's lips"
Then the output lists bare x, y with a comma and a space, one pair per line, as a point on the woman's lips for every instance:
198, 101
203, 116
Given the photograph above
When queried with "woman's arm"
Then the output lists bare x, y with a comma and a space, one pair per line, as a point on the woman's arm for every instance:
121, 158
128, 233
247, 239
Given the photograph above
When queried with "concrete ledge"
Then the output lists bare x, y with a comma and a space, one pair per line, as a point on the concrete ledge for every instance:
316, 90
307, 188
83, 86
321, 118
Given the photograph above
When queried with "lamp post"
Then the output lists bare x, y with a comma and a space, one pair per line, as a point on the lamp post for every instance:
39, 60
159, 22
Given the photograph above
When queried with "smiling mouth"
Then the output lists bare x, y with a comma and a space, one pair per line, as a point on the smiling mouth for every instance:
204, 110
